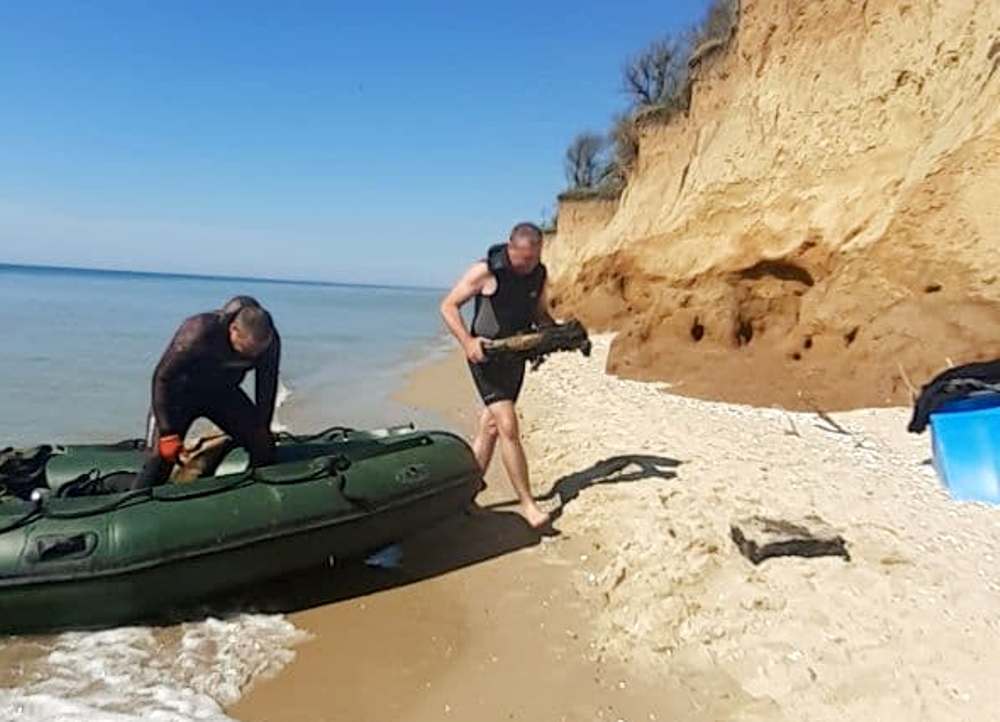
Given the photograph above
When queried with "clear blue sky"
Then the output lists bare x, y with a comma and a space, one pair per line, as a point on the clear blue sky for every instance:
323, 140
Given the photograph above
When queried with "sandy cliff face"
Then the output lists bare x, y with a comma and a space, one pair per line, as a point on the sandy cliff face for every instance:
825, 219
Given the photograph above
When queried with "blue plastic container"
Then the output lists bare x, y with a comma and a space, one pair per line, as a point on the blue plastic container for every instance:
965, 437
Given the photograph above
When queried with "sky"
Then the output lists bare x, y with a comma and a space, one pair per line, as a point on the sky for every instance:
387, 142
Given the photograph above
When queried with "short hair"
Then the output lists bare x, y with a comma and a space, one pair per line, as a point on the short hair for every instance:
234, 304
526, 232
256, 323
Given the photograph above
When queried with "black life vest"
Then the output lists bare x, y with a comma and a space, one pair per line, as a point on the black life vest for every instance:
511, 308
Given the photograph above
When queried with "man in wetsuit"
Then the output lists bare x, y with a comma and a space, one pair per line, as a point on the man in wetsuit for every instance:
509, 290
199, 375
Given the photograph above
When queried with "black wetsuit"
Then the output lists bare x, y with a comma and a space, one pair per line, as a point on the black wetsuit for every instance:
199, 375
510, 310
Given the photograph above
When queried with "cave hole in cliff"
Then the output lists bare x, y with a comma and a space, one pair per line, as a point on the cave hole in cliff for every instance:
932, 288
697, 330
744, 332
851, 335
781, 270
796, 356
808, 343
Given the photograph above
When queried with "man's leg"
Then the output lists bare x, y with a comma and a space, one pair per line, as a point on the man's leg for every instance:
486, 439
235, 414
515, 462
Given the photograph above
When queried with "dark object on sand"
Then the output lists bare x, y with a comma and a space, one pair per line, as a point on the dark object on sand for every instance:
955, 383
962, 407
83, 553
535, 346
759, 538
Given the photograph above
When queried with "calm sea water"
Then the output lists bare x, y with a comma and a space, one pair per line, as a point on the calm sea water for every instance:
76, 359
79, 348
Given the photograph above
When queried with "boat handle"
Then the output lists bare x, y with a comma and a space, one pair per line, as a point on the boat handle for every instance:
51, 547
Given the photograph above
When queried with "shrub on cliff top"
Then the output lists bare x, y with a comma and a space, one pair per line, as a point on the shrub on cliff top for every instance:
720, 19
606, 192
624, 137
658, 81
656, 76
658, 84
585, 162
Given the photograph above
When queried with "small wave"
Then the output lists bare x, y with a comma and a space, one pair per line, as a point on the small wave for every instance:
178, 674
284, 394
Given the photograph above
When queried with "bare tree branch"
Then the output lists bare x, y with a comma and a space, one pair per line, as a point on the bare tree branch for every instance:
657, 75
585, 164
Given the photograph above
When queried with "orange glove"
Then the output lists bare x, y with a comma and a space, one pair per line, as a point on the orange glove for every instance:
170, 448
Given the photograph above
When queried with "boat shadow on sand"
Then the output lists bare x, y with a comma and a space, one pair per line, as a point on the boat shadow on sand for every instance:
484, 533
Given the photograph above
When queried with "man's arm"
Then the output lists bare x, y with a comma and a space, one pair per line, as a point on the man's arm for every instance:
183, 349
266, 382
472, 283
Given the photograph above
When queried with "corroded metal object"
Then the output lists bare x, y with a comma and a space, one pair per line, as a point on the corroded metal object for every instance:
537, 345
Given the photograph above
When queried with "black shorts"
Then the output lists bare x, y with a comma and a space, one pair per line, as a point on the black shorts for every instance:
498, 379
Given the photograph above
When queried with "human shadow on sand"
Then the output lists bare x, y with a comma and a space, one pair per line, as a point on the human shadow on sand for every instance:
485, 533
613, 470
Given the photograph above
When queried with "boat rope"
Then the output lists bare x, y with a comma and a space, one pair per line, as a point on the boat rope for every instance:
331, 466
329, 433
23, 519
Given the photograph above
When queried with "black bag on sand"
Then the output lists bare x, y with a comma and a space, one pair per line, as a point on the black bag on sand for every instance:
952, 384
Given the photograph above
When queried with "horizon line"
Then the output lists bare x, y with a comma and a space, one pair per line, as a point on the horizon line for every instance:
214, 277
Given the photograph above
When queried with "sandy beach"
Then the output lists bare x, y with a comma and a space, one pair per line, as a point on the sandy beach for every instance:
907, 629
482, 621
643, 608
776, 220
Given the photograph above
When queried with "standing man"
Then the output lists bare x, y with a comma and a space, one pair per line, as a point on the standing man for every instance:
509, 291
199, 375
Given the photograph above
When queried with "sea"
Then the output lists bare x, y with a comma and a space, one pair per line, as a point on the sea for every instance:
77, 352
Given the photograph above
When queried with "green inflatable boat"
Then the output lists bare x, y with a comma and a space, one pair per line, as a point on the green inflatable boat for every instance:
80, 554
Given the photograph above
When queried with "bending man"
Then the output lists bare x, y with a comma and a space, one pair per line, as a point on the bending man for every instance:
199, 375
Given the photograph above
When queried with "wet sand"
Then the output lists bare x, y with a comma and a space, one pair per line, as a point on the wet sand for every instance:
481, 622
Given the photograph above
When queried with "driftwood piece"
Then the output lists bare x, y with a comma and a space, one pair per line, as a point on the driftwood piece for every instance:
759, 538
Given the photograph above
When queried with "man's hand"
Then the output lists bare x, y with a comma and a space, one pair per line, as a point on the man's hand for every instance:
474, 350
170, 448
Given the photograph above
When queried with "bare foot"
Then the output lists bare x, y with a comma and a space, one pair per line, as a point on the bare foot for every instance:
533, 515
